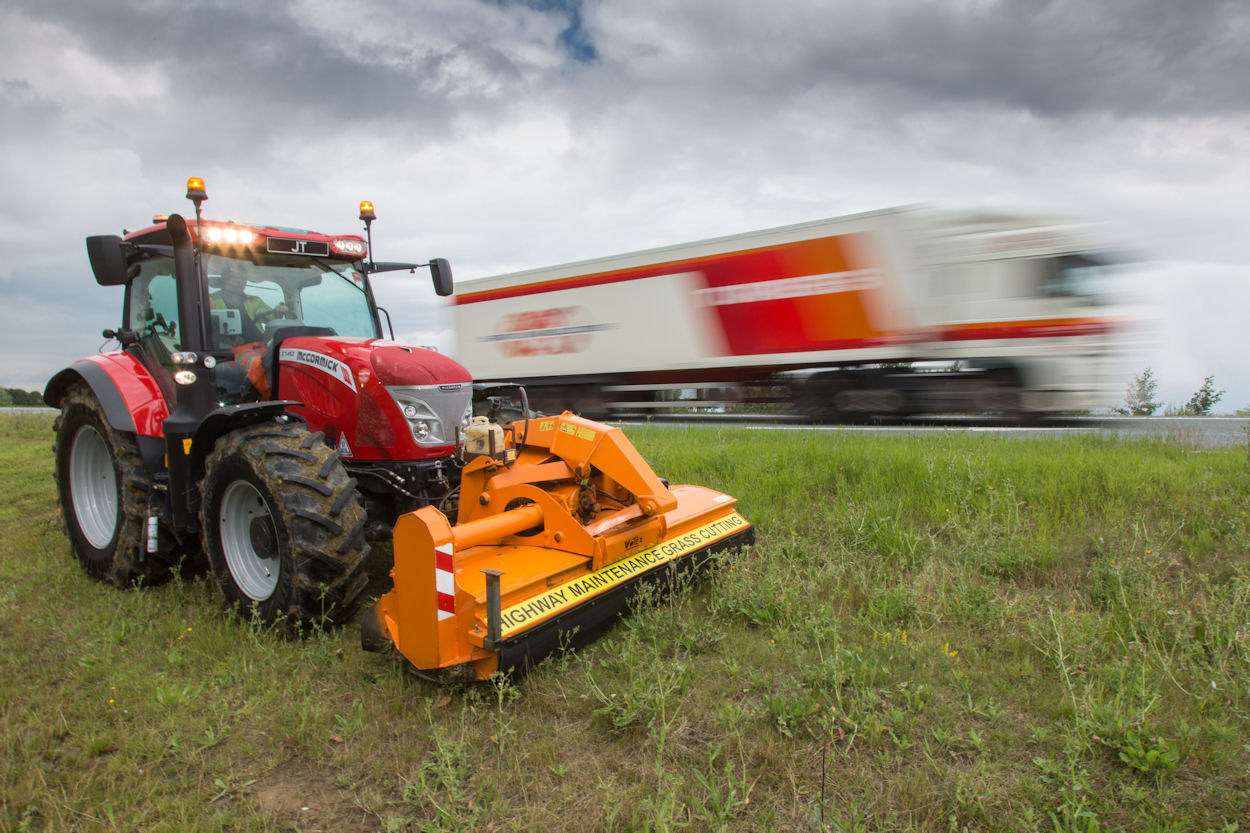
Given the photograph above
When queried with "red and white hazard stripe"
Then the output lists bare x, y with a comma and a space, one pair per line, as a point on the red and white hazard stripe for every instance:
444, 581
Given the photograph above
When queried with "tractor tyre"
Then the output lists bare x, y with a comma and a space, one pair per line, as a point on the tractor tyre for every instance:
283, 527
102, 493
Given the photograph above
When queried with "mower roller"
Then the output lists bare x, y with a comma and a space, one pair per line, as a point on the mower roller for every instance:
560, 522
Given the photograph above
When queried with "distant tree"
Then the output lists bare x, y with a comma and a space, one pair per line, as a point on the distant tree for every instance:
1139, 398
1201, 403
18, 398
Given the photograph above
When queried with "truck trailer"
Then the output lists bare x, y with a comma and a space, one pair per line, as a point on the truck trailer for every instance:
897, 312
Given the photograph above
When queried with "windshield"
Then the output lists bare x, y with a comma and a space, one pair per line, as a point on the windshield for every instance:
250, 300
1085, 276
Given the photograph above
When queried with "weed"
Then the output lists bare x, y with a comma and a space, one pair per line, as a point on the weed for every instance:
1074, 811
788, 713
351, 722
726, 790
447, 788
646, 698
896, 605
506, 693
1148, 754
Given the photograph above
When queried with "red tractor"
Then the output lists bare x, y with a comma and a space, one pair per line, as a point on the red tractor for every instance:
253, 414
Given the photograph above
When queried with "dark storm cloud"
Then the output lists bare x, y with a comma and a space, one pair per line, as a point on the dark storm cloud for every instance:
1120, 57
261, 68
1050, 58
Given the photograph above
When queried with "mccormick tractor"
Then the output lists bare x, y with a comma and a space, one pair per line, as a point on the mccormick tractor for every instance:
274, 431
254, 415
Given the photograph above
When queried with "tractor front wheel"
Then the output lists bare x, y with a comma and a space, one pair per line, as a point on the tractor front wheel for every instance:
283, 527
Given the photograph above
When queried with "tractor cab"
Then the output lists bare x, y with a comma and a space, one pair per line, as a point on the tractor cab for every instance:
245, 289
254, 301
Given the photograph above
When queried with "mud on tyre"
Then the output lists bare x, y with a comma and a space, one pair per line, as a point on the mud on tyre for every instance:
283, 527
102, 492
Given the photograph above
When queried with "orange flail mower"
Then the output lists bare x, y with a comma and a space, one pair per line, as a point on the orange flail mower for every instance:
560, 522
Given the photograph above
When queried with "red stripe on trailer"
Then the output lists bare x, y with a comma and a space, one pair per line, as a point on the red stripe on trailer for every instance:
1039, 328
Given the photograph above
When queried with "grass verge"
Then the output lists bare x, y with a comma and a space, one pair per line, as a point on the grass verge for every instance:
952, 632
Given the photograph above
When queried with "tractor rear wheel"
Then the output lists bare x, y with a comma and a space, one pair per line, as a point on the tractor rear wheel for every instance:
103, 489
283, 527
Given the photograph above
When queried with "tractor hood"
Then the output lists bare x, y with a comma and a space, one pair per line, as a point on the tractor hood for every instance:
389, 401
399, 364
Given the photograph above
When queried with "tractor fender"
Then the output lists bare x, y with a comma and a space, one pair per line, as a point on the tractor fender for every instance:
231, 418
130, 397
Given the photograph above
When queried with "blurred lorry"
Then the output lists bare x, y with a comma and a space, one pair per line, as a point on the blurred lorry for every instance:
891, 313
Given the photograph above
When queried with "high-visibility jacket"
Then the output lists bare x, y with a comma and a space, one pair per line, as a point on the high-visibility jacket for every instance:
251, 357
253, 306
255, 310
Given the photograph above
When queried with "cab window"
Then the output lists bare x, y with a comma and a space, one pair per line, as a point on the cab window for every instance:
1081, 276
337, 300
154, 310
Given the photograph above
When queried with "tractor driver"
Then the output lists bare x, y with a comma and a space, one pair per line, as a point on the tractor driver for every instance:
248, 347
253, 311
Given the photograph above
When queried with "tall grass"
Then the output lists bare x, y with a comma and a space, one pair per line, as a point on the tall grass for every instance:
931, 633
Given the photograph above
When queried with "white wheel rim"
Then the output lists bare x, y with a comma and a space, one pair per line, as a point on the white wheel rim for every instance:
93, 486
248, 540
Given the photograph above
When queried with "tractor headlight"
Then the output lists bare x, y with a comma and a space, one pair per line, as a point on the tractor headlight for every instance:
432, 411
420, 414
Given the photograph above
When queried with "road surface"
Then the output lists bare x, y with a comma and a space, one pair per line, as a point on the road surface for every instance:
1198, 432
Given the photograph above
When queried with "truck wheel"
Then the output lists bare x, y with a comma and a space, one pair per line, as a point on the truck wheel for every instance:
1003, 397
283, 527
819, 399
102, 491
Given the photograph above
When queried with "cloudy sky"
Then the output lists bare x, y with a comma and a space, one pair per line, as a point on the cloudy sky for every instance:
510, 134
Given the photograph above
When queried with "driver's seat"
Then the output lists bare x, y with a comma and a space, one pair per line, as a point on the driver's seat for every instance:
271, 355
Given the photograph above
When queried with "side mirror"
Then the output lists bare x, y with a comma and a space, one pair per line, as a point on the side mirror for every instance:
108, 260
440, 271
